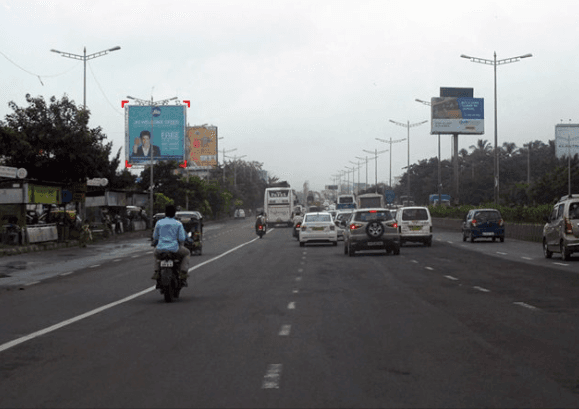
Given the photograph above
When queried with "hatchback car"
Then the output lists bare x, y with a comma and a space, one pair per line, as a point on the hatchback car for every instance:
414, 225
561, 230
371, 229
483, 224
318, 228
239, 214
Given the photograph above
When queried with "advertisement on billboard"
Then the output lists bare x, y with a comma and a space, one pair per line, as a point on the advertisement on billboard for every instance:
201, 146
159, 130
566, 140
457, 115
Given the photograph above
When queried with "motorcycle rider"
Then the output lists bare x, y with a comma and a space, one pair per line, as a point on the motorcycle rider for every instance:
169, 236
260, 221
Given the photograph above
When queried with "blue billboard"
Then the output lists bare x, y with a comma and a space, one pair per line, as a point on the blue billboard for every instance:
155, 130
457, 115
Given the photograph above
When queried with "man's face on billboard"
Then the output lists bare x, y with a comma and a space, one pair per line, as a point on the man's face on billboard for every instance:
146, 140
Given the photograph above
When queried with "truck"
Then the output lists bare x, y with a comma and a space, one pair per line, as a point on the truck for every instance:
444, 198
370, 200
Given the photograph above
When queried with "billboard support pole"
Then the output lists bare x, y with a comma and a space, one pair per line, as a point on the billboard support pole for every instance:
439, 174
455, 154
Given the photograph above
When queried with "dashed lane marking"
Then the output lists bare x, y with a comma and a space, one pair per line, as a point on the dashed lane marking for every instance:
298, 279
32, 283
291, 305
300, 270
561, 264
522, 304
285, 330
96, 265
501, 253
526, 258
429, 268
451, 278
272, 376
414, 261
65, 274
484, 290
118, 259
295, 291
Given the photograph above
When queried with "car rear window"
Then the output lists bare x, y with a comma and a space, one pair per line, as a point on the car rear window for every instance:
371, 216
487, 215
414, 214
318, 218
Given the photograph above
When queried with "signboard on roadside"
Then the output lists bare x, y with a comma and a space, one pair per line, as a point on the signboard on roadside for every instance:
566, 140
457, 115
155, 130
201, 147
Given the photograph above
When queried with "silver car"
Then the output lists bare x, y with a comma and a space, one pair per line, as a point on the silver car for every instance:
561, 230
371, 229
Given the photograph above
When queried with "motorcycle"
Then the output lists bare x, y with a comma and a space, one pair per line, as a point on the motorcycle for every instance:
260, 230
169, 283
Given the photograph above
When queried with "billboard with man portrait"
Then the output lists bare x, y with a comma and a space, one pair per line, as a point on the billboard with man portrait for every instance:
157, 131
457, 115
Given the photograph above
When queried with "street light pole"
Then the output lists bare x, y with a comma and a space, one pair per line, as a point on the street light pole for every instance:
376, 153
390, 142
224, 152
494, 62
408, 125
84, 58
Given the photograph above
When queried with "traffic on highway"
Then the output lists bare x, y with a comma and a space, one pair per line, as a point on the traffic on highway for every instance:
268, 323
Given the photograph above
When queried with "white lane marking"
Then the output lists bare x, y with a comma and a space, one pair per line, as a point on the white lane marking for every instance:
135, 256
32, 283
302, 262
501, 253
149, 252
291, 305
65, 274
449, 242
522, 304
54, 327
303, 257
271, 378
119, 259
298, 279
285, 330
451, 278
300, 270
305, 252
295, 291
561, 264
96, 265
484, 290
429, 268
414, 261
526, 258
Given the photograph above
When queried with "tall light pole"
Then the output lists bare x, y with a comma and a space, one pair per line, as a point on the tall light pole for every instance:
224, 152
153, 104
235, 159
376, 153
357, 167
365, 159
494, 62
390, 142
84, 58
350, 169
408, 125
439, 190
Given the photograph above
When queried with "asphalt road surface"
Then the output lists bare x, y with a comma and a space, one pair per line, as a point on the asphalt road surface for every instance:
266, 323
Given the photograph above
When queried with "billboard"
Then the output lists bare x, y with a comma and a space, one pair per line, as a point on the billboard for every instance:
201, 146
566, 140
457, 115
159, 130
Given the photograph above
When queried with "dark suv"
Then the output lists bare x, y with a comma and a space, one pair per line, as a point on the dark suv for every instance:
483, 224
371, 229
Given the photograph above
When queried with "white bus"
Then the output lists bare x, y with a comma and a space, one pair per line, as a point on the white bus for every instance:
346, 202
278, 205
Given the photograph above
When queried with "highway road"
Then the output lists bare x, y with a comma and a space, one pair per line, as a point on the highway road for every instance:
266, 323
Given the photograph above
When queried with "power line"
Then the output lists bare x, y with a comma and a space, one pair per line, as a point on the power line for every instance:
37, 75
102, 92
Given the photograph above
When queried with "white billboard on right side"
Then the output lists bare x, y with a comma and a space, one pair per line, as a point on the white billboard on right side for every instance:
566, 140
457, 115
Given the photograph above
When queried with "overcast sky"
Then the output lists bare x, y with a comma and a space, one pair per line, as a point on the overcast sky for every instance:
302, 86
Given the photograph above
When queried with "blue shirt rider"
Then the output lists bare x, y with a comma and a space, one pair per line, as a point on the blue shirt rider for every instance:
169, 236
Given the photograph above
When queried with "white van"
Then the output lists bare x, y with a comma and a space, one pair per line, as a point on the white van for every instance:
414, 224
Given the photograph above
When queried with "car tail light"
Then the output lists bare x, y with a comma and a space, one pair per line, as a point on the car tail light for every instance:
355, 226
392, 224
568, 226
473, 222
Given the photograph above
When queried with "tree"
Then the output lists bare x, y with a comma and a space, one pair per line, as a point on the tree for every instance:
54, 143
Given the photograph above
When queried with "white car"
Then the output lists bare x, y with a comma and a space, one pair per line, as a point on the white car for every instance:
239, 214
318, 228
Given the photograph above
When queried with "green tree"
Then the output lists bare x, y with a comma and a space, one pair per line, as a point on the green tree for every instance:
53, 142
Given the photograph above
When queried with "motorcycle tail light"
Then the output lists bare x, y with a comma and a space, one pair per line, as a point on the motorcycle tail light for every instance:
568, 226
298, 226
